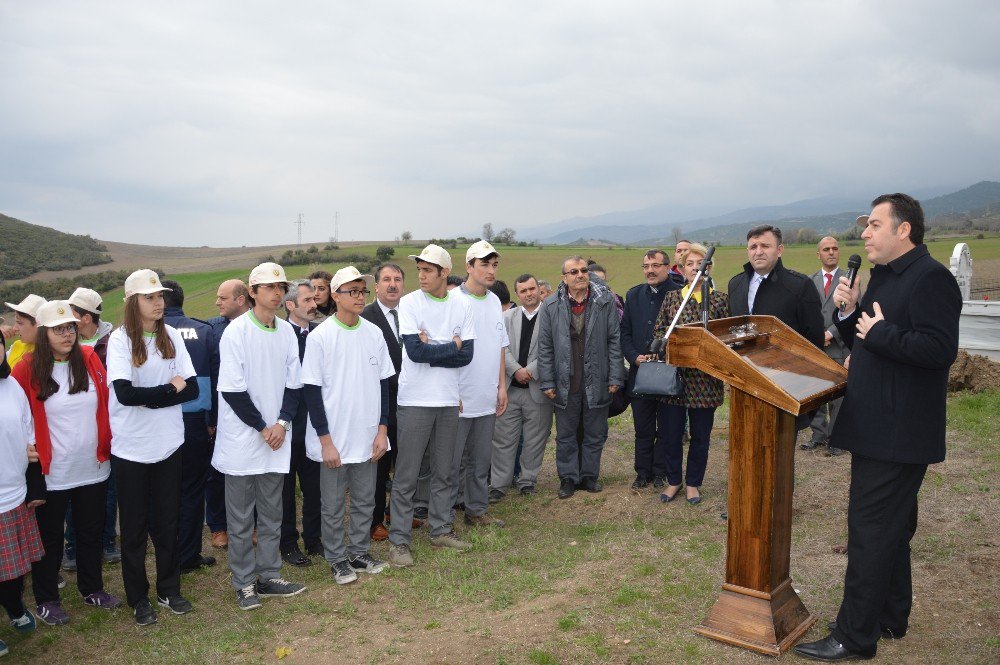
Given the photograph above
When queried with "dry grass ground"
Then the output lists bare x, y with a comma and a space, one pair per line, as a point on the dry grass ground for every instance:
615, 577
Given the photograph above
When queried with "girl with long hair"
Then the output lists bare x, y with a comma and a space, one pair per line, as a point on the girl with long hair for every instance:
67, 389
151, 374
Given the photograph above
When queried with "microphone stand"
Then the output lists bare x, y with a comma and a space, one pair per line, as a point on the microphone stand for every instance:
705, 263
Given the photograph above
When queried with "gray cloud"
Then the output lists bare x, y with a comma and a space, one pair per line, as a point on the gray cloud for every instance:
216, 123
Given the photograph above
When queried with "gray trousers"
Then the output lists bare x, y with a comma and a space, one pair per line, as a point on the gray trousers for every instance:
822, 422
523, 416
418, 429
243, 494
575, 461
333, 485
422, 497
473, 453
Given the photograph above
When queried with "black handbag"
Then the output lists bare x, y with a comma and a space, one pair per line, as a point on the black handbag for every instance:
656, 378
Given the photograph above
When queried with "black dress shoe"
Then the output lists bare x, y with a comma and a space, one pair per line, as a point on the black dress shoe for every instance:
195, 564
590, 485
812, 445
316, 549
886, 633
830, 650
639, 483
295, 557
567, 488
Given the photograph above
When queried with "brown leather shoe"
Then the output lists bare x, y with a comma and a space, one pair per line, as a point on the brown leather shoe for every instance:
483, 520
220, 540
379, 532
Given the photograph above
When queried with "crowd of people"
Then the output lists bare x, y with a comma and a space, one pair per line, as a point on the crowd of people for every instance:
416, 406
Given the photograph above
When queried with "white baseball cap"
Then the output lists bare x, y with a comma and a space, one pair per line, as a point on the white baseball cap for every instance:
480, 250
348, 275
55, 313
29, 306
143, 282
268, 273
435, 254
87, 299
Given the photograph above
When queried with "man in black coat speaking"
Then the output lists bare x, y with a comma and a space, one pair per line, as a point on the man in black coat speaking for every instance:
767, 287
903, 336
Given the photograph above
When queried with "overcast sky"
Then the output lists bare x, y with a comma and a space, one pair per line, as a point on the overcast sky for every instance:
191, 123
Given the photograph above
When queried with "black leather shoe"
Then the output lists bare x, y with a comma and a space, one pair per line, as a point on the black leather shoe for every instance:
886, 633
295, 557
833, 452
812, 445
659, 482
567, 488
195, 564
829, 650
591, 485
316, 549
639, 483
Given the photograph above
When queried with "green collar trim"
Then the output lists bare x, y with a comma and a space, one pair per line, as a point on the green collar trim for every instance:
260, 325
148, 334
436, 299
344, 325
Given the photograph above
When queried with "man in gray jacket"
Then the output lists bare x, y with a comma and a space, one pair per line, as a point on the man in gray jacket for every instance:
579, 368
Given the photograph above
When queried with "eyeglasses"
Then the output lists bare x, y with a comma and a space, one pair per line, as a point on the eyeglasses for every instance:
65, 329
652, 266
577, 271
354, 293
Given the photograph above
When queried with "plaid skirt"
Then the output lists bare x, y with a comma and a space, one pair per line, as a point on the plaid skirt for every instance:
20, 543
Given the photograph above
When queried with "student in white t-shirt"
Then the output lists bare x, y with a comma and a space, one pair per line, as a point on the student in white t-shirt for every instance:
438, 334
151, 374
344, 376
259, 384
482, 386
66, 386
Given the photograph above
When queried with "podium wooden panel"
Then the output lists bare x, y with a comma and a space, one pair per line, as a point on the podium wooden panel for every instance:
774, 375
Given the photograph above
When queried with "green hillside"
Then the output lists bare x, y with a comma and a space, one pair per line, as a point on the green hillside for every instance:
28, 248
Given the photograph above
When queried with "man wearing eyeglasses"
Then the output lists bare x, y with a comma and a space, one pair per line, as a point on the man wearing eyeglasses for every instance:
579, 368
642, 304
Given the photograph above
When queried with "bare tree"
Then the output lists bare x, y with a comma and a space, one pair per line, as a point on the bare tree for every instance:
677, 233
488, 231
406, 237
505, 236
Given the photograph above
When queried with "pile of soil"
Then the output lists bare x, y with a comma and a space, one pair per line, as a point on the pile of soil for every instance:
973, 373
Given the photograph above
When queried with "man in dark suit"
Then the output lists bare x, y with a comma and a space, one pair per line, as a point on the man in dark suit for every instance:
300, 305
767, 287
389, 288
903, 336
826, 280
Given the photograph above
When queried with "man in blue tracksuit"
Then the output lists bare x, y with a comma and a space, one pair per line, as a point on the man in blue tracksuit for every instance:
203, 347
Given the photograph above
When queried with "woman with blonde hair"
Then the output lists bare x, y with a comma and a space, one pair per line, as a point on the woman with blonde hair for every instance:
701, 394
152, 375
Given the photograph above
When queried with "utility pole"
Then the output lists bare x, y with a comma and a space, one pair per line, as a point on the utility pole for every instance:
299, 223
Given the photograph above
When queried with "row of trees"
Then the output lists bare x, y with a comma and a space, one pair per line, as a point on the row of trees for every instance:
62, 287
28, 249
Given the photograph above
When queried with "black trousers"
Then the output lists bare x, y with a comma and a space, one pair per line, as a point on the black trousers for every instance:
881, 521
650, 419
385, 465
141, 488
307, 471
195, 458
88, 522
11, 592
700, 421
215, 493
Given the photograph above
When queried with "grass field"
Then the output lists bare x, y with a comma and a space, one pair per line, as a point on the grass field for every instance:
623, 266
615, 577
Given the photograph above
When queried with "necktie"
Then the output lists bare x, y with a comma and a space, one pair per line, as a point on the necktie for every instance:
826, 288
395, 319
752, 294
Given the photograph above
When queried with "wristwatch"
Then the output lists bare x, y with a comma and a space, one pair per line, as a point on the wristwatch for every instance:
287, 425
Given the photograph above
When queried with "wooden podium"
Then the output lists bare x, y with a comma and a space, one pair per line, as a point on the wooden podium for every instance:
774, 374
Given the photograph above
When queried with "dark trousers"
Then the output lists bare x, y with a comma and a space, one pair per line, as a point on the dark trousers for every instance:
88, 520
141, 488
215, 494
650, 419
307, 471
11, 592
881, 521
110, 521
195, 460
385, 465
700, 421
578, 460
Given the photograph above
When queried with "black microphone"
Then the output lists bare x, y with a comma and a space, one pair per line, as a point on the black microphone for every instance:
707, 261
853, 266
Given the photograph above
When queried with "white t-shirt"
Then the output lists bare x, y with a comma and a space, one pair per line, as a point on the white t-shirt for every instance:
479, 380
16, 432
138, 433
72, 421
442, 319
348, 364
262, 362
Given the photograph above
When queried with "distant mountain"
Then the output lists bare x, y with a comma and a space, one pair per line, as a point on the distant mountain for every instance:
567, 230
28, 248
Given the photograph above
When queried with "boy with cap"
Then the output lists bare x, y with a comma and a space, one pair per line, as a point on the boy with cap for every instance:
482, 385
86, 305
344, 376
438, 331
259, 383
25, 327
